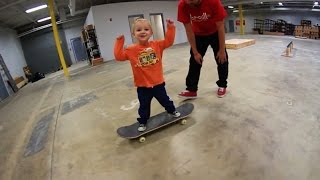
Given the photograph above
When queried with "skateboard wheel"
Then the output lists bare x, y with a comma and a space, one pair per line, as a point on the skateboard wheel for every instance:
183, 122
142, 139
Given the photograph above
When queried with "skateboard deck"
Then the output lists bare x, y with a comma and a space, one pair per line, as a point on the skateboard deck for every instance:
188, 98
155, 122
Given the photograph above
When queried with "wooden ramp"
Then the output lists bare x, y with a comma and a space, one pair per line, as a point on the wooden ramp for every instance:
239, 43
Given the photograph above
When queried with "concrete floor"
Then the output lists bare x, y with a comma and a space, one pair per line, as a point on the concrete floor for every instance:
267, 127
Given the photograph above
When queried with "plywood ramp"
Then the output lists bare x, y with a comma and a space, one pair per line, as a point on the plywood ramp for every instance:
239, 43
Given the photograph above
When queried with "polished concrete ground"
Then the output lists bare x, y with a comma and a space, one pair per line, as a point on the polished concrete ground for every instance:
267, 127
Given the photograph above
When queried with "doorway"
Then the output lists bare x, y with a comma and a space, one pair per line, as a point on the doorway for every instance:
231, 26
157, 24
78, 49
131, 19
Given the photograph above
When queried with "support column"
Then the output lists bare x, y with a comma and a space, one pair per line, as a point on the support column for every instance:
241, 20
57, 39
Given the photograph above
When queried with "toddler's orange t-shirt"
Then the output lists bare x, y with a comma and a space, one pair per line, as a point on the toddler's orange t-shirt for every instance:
146, 61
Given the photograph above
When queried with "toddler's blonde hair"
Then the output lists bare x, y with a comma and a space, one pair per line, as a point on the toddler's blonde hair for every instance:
139, 20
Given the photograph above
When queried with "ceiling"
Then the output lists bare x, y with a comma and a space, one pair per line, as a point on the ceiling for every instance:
288, 5
13, 15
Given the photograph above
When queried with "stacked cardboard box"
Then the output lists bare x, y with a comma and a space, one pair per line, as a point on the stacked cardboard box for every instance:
314, 33
298, 31
89, 27
83, 36
306, 31
20, 81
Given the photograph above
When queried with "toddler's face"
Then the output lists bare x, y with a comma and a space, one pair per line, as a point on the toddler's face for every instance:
142, 31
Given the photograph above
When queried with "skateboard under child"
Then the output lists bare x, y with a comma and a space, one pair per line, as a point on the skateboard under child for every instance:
155, 122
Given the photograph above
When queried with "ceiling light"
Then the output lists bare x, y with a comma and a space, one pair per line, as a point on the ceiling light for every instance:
36, 8
261, 2
44, 19
316, 4
235, 11
280, 4
230, 7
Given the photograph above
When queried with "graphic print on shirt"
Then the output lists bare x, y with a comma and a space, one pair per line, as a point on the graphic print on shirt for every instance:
204, 17
147, 57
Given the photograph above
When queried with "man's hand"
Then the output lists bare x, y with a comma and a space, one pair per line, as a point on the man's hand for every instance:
169, 22
221, 56
120, 37
198, 57
192, 41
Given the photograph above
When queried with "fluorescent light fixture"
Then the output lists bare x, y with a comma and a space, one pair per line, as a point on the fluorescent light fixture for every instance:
44, 19
316, 4
235, 11
281, 9
36, 8
230, 7
280, 4
261, 2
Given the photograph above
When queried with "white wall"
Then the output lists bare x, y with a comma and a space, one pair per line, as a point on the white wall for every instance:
249, 22
107, 30
289, 16
11, 51
72, 30
89, 19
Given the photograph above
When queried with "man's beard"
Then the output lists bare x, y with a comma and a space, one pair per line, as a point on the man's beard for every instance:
196, 4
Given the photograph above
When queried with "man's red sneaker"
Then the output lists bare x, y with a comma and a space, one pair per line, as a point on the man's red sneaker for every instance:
221, 92
188, 94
